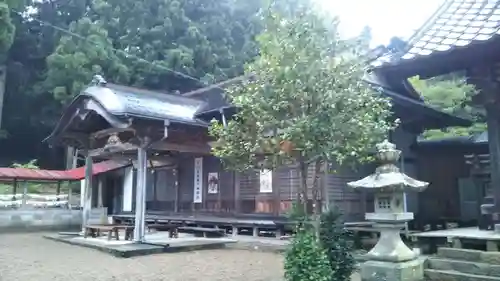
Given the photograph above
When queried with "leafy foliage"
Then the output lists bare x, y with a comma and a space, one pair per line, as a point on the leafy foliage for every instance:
139, 42
7, 30
46, 66
302, 91
338, 244
305, 259
30, 165
453, 95
303, 102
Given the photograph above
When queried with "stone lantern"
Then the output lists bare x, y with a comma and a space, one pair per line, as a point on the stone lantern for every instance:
390, 258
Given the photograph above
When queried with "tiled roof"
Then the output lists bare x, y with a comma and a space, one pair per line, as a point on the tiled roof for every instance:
457, 24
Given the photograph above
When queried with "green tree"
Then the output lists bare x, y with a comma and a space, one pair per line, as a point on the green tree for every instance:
451, 94
7, 29
47, 67
139, 42
30, 112
304, 102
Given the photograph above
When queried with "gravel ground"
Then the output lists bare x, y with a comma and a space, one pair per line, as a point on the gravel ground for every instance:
31, 257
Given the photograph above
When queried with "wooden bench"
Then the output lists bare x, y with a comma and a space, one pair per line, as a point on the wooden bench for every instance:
112, 230
172, 229
202, 231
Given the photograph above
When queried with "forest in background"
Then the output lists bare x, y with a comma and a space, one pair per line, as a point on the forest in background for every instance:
50, 49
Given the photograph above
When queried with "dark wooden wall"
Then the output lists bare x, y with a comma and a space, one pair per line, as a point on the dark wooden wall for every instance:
442, 166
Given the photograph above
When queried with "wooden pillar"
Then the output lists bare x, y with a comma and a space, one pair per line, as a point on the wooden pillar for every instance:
276, 192
140, 195
14, 189
25, 193
87, 201
485, 79
219, 189
493, 123
100, 193
155, 187
58, 190
175, 173
237, 199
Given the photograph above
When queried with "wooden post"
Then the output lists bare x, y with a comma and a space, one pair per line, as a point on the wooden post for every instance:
219, 191
140, 204
493, 123
236, 185
87, 201
155, 186
58, 190
276, 192
99, 193
176, 186
485, 80
70, 194
25, 193
14, 189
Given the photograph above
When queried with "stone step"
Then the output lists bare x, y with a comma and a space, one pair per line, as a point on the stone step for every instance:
469, 255
450, 275
468, 267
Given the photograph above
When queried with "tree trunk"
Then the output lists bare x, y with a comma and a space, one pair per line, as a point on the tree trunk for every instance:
303, 197
316, 198
315, 188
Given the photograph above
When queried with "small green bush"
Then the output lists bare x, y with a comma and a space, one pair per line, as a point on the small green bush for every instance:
305, 259
338, 244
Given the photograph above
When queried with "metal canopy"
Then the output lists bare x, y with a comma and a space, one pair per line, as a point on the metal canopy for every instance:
56, 175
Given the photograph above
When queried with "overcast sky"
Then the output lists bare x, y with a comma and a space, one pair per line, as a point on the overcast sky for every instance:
387, 18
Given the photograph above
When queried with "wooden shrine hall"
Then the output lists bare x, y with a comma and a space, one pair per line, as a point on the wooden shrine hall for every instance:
165, 137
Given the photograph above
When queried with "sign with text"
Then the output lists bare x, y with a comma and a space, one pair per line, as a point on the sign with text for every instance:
198, 180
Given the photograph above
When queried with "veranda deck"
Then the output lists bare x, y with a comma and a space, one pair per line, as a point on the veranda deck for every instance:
254, 224
236, 224
465, 237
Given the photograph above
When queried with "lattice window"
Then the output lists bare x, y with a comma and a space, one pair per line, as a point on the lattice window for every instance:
384, 203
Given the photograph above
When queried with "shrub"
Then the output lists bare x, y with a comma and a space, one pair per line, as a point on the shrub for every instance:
305, 259
338, 245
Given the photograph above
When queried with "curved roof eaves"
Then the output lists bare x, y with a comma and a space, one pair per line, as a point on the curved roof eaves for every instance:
127, 101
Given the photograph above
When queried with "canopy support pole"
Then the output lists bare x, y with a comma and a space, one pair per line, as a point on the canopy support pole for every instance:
140, 195
87, 196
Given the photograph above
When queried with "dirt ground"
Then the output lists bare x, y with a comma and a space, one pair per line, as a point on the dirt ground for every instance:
31, 257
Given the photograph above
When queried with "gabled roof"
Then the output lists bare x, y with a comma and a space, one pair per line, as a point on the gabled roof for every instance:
455, 26
116, 104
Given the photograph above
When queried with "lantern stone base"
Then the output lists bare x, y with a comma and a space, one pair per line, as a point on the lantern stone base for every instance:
393, 271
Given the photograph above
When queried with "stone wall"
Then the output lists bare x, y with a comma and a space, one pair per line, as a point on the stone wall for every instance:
40, 220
